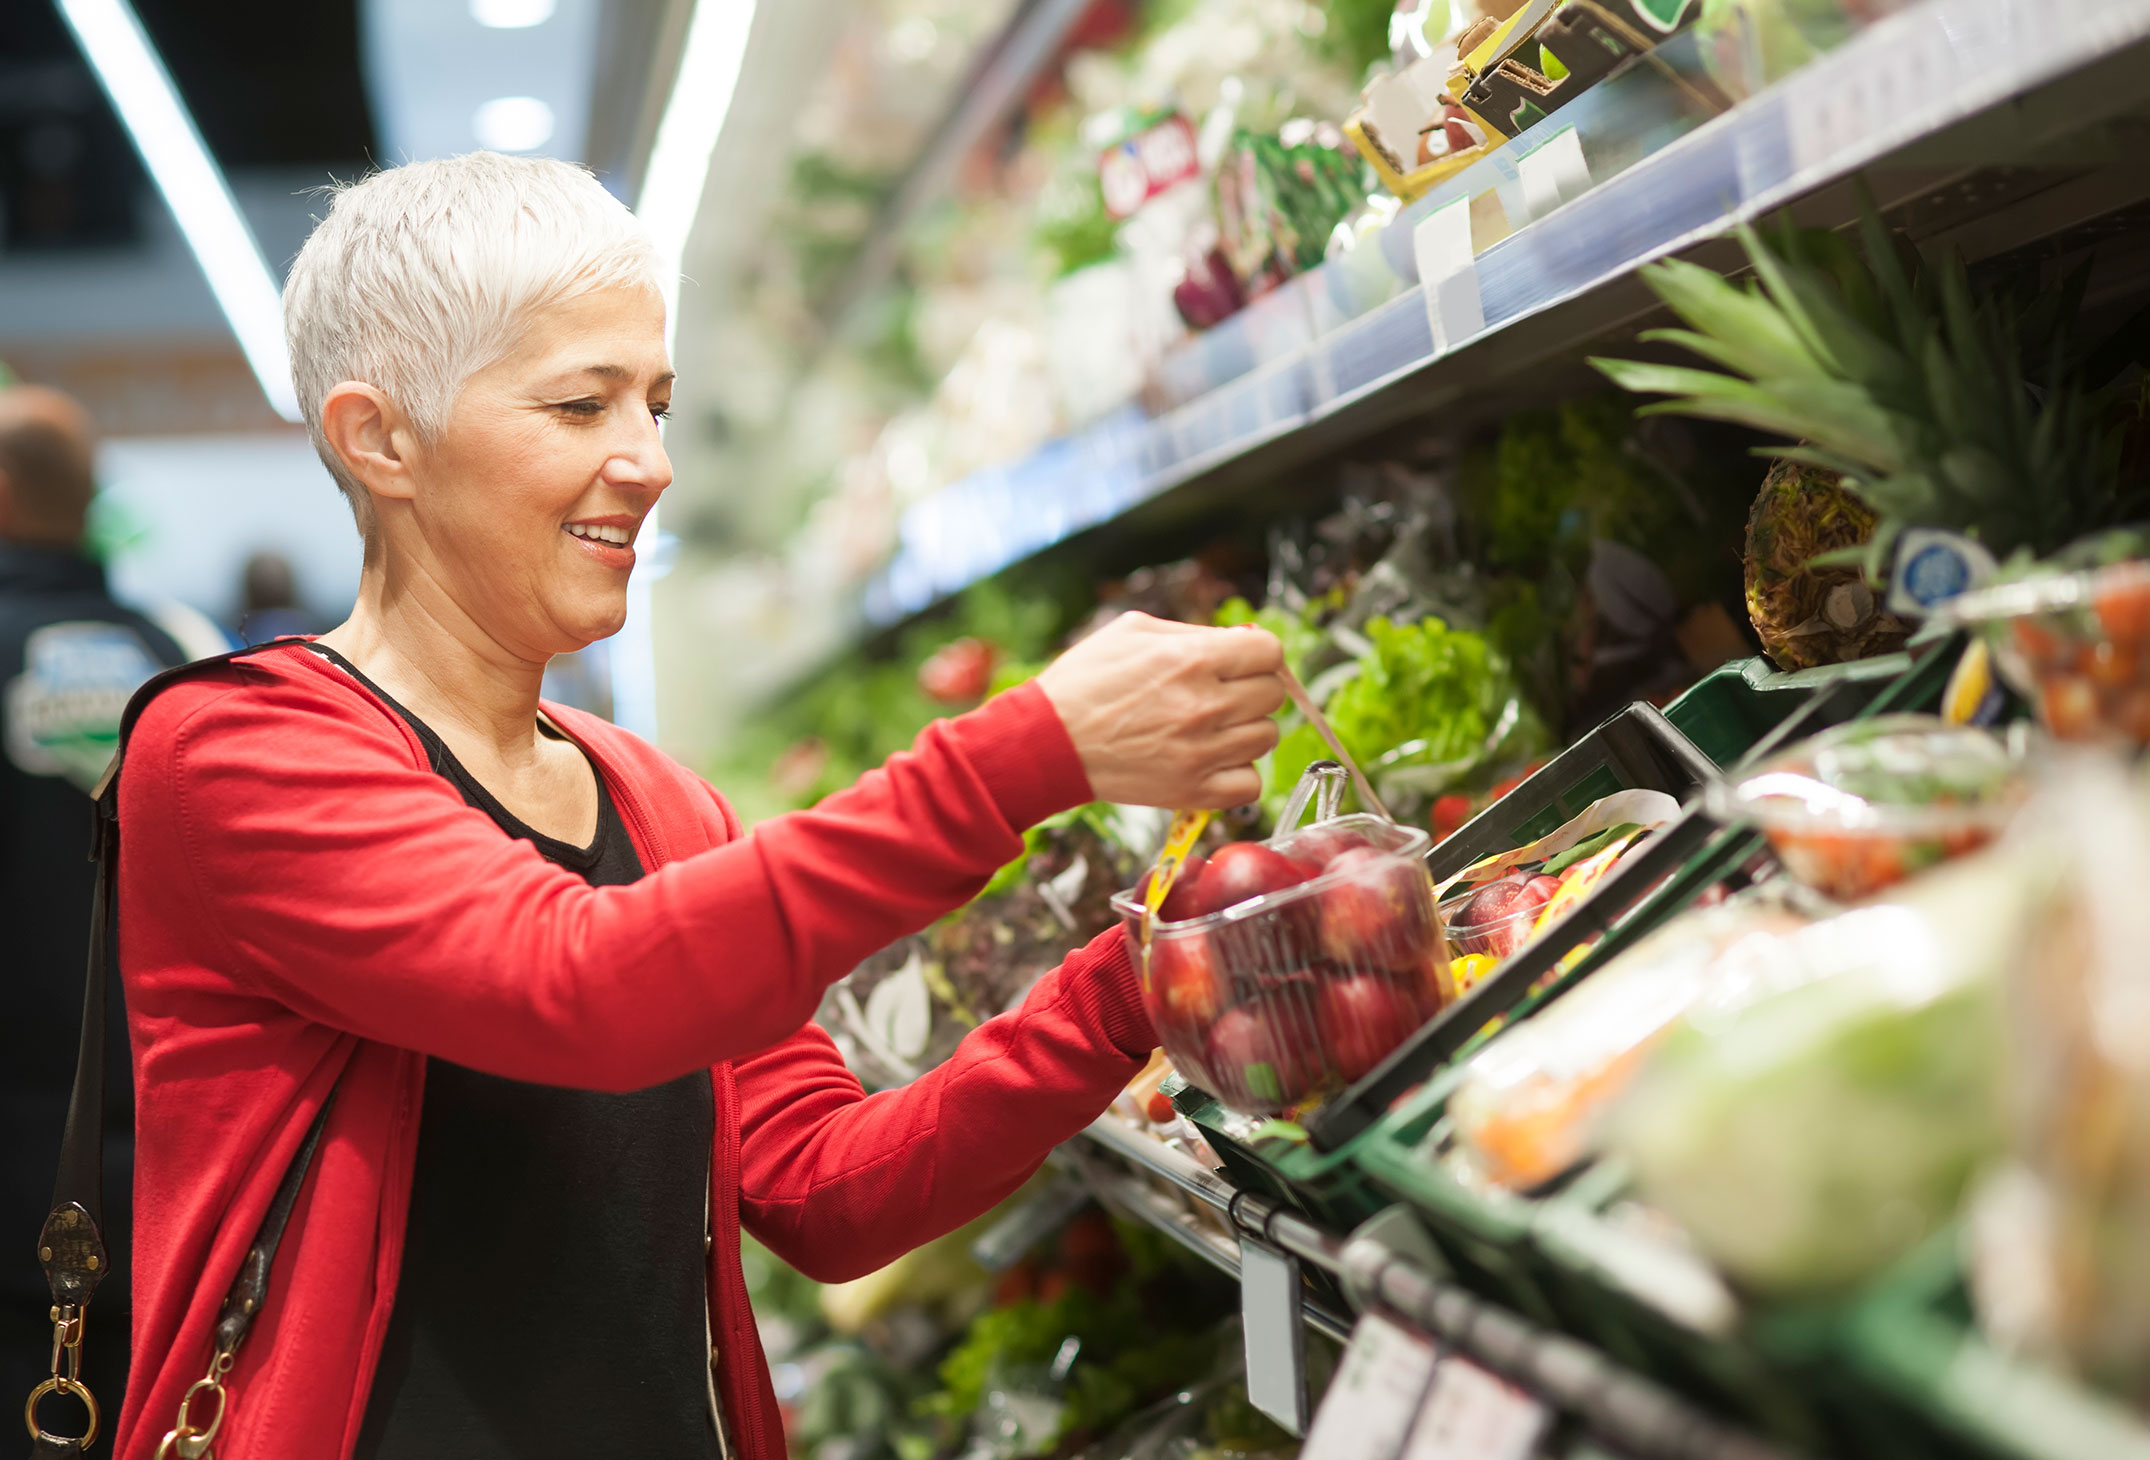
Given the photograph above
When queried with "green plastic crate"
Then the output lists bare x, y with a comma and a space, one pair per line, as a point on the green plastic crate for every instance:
1912, 1341
1737, 706
1326, 1186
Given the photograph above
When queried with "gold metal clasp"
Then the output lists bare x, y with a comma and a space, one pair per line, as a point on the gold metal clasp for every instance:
186, 1439
67, 1321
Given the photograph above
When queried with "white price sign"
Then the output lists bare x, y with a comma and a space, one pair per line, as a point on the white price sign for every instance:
1471, 1415
1448, 271
1375, 1396
1552, 173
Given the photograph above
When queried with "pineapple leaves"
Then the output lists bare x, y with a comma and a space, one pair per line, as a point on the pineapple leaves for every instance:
1938, 403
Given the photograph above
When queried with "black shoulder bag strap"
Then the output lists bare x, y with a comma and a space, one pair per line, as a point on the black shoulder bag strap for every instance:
71, 1247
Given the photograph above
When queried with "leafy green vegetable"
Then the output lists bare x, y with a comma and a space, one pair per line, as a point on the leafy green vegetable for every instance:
1424, 695
1122, 1357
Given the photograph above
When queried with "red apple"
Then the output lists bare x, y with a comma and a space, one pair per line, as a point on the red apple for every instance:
1182, 901
1377, 913
1272, 941
1497, 918
1362, 1018
1184, 977
1243, 870
1264, 1054
1316, 847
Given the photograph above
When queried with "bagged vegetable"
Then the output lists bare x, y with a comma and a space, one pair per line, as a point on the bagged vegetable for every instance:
1811, 1137
1531, 1103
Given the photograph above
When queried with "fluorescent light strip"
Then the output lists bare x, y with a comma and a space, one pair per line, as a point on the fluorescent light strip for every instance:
687, 134
672, 185
128, 68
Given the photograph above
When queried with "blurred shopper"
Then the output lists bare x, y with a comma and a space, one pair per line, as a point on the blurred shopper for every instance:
269, 606
561, 1000
69, 660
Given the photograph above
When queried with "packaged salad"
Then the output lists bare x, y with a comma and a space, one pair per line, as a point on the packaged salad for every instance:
1860, 807
2077, 645
1531, 1102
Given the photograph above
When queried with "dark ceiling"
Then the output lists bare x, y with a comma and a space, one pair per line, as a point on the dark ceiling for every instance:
269, 84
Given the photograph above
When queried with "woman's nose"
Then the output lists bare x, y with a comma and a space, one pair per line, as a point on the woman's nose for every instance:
640, 461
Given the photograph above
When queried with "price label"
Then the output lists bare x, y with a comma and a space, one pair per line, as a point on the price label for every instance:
1375, 1396
1147, 163
1553, 173
1448, 272
1469, 1414
1272, 1320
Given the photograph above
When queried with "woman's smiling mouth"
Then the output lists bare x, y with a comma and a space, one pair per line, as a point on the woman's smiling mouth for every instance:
610, 541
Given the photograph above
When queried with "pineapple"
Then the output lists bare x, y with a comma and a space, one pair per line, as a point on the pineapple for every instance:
1936, 406
1806, 614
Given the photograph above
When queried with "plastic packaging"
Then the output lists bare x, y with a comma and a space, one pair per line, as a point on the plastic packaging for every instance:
1865, 805
2076, 645
1813, 1136
1296, 965
1530, 1103
2062, 1270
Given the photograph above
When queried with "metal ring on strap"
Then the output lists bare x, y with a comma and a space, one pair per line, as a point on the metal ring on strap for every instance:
57, 1385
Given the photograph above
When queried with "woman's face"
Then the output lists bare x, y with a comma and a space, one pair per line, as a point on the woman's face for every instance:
527, 506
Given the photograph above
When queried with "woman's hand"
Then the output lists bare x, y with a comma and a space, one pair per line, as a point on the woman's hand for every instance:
1167, 714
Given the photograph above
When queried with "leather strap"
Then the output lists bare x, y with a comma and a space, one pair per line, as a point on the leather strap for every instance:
71, 1245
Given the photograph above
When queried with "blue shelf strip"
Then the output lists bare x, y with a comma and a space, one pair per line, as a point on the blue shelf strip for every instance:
1665, 172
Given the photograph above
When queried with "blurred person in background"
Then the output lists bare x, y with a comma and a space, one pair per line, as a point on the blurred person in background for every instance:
70, 658
269, 606
543, 1000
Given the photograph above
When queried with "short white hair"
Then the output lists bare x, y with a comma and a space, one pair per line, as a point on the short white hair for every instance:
423, 275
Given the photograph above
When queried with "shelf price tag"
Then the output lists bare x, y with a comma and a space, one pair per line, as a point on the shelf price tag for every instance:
1469, 1414
1553, 172
1448, 271
1272, 1317
1376, 1394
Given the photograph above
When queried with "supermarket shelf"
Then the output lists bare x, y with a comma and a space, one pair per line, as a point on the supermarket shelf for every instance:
1137, 1200
1640, 1417
1994, 122
998, 80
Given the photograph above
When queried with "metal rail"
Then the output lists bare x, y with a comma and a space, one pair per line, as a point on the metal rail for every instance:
1635, 1414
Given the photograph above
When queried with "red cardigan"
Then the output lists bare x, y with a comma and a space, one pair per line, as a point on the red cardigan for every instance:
302, 898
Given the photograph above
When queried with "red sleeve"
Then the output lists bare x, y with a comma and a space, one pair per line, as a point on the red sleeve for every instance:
284, 824
839, 1183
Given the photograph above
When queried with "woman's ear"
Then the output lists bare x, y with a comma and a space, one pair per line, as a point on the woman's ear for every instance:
371, 437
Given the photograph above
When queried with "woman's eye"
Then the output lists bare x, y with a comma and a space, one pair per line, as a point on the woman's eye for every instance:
582, 408
660, 412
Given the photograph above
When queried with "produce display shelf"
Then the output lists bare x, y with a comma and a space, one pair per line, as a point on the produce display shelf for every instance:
1956, 104
1137, 1201
1641, 1418
1005, 69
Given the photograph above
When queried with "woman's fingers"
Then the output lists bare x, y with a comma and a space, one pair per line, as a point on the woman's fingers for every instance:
1249, 651
1168, 714
1254, 698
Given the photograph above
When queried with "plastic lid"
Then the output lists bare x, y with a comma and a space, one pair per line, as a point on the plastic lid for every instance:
1891, 774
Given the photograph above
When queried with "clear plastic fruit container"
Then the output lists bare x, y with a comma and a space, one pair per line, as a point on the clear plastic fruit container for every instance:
2076, 645
1497, 919
1293, 966
1867, 804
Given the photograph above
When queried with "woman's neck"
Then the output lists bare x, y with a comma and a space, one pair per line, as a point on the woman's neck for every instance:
439, 664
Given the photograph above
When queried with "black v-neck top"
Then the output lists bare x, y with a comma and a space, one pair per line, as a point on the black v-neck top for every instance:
553, 1301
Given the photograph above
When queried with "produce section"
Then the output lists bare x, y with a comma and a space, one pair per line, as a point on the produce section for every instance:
1674, 995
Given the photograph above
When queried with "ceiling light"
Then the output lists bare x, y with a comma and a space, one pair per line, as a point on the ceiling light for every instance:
156, 120
512, 124
511, 14
687, 134
671, 195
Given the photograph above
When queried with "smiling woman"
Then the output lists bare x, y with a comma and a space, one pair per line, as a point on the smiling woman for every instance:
559, 999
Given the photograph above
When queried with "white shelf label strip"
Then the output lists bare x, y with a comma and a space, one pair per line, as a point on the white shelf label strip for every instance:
1552, 173
1448, 272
